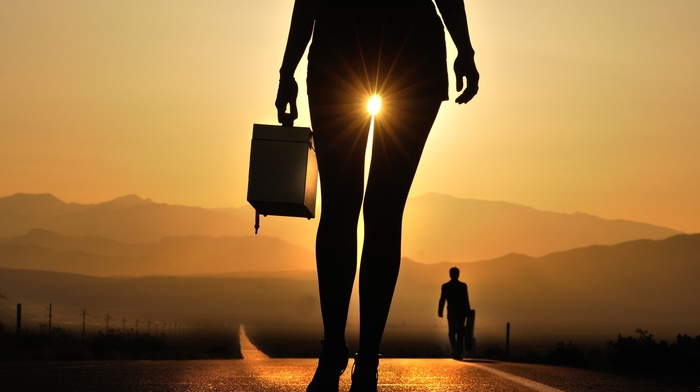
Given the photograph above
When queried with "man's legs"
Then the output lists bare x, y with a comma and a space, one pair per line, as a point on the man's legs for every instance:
456, 335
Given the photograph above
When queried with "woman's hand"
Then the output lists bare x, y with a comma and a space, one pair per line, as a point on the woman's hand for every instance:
465, 67
287, 95
300, 30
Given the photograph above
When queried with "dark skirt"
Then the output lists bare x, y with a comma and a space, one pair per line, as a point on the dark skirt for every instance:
394, 48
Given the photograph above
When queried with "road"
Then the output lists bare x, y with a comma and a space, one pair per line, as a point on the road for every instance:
259, 373
395, 375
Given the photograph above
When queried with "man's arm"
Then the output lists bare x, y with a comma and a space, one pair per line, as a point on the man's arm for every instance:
441, 304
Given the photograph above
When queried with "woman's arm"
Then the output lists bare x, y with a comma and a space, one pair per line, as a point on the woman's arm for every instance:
455, 18
300, 30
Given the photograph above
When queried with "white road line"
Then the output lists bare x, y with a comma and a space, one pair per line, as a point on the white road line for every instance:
520, 380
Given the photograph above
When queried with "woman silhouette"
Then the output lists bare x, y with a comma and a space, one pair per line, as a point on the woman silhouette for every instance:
360, 48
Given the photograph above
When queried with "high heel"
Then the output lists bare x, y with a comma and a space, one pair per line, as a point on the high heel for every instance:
364, 374
331, 365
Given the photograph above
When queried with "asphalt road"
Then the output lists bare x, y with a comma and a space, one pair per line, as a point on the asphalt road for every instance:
259, 373
254, 375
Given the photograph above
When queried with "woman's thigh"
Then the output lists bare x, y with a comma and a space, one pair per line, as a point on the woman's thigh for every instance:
400, 133
340, 127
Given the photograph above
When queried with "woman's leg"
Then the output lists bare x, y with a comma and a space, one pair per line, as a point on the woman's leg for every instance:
340, 137
400, 133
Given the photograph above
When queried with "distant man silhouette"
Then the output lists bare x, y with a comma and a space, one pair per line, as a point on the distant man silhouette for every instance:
457, 296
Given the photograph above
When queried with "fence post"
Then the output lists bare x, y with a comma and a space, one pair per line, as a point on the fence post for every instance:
83, 331
50, 315
19, 319
507, 340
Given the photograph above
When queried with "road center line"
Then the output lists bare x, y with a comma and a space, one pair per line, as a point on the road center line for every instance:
519, 380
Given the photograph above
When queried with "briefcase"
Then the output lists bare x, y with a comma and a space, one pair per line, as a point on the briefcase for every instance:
283, 174
469, 340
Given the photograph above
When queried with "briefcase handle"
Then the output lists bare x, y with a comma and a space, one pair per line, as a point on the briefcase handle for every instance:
287, 118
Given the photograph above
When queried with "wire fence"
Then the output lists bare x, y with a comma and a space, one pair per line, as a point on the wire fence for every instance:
50, 317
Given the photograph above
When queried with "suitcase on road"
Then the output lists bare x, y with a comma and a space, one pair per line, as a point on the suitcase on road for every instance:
469, 331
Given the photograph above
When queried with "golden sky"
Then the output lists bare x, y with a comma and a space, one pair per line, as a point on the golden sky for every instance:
588, 106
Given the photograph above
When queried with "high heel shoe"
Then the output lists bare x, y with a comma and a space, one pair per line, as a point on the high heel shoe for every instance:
331, 365
364, 374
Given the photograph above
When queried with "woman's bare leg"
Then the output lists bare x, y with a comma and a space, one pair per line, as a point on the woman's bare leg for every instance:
400, 134
340, 136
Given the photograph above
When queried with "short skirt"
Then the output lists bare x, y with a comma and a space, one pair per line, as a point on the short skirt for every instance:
394, 48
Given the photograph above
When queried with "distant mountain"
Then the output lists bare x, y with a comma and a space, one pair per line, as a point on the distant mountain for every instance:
586, 295
159, 299
188, 255
441, 228
436, 227
126, 219
444, 228
26, 203
577, 294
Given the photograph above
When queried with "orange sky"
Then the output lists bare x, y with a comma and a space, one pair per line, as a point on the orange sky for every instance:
584, 106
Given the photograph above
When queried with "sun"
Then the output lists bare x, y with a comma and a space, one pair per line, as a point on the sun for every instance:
374, 104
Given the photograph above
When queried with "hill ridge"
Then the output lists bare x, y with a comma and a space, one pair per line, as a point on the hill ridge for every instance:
436, 227
594, 292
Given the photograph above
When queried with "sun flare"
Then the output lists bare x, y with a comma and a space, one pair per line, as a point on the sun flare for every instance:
374, 104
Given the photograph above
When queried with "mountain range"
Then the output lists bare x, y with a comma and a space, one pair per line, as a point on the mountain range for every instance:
585, 295
553, 276
188, 255
437, 227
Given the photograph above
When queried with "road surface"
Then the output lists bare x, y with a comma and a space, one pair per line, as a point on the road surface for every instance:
259, 373
395, 375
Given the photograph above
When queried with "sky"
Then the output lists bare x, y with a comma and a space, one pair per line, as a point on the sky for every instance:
583, 106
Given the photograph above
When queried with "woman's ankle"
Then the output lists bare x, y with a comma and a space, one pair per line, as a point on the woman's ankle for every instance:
364, 373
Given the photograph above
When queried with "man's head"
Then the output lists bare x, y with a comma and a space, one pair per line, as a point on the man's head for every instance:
454, 272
